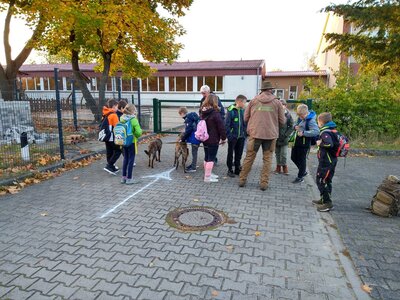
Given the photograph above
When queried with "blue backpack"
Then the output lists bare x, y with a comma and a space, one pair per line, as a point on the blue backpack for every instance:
123, 135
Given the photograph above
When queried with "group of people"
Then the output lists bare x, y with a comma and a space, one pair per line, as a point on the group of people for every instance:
263, 122
267, 123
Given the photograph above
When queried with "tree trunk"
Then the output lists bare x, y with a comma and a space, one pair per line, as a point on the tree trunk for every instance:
104, 77
6, 86
82, 85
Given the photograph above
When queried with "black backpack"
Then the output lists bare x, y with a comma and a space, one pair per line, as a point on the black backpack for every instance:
105, 132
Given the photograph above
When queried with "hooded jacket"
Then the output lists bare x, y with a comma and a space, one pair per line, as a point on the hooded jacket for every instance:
234, 123
191, 120
263, 116
329, 144
215, 126
309, 127
285, 130
113, 120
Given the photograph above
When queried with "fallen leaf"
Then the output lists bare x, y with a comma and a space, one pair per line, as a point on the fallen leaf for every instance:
230, 221
75, 178
257, 233
36, 180
366, 288
214, 293
188, 177
195, 200
3, 193
44, 214
13, 190
229, 248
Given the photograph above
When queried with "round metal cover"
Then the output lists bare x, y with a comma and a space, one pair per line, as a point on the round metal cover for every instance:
196, 218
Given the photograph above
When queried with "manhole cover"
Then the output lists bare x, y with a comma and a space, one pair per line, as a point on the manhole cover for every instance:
197, 218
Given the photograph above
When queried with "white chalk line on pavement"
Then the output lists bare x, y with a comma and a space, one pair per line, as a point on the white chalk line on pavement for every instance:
164, 175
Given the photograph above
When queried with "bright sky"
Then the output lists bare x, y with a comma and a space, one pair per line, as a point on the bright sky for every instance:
284, 32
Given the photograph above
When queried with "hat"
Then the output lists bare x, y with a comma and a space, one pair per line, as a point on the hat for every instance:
266, 85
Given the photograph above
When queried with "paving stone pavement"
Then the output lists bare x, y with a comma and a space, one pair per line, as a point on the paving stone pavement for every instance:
373, 241
55, 244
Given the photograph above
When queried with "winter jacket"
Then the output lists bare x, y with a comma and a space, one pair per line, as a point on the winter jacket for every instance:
215, 126
112, 120
221, 107
136, 129
329, 144
309, 127
191, 120
263, 116
285, 130
234, 123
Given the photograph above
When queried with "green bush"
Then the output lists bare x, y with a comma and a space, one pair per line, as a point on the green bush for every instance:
363, 105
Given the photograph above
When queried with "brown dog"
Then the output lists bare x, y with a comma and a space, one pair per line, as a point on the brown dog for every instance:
153, 148
181, 149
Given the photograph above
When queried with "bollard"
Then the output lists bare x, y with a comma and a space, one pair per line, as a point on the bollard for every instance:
24, 147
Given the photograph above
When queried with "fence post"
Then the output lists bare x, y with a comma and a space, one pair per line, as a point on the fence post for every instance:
74, 105
133, 99
155, 115
59, 117
24, 146
139, 102
309, 103
119, 88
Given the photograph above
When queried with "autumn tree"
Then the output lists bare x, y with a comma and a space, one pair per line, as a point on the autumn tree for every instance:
376, 38
34, 13
118, 35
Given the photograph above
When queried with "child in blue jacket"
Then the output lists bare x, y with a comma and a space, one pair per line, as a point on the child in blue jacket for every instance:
236, 134
191, 119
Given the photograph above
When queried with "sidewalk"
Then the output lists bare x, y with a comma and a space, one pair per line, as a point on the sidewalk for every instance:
85, 236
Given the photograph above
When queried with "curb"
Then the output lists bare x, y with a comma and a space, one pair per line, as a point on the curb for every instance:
59, 165
373, 152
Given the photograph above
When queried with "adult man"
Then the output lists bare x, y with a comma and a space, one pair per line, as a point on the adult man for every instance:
205, 91
263, 116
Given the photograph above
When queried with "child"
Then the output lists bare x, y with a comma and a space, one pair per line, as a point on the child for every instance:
306, 128
236, 134
191, 120
217, 134
327, 147
130, 151
121, 106
113, 152
283, 141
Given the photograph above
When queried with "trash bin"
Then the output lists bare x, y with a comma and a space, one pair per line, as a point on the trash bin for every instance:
145, 121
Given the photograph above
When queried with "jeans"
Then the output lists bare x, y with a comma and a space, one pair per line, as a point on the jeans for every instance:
210, 152
113, 152
195, 149
324, 177
129, 159
235, 148
299, 157
281, 155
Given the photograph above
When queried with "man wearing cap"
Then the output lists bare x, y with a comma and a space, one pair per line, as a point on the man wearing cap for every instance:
263, 116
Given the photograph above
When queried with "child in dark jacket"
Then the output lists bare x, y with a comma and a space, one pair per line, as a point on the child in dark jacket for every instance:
236, 134
191, 119
216, 131
327, 146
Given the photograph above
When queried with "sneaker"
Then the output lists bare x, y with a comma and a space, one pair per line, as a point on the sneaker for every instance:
237, 171
211, 179
215, 176
317, 202
305, 174
109, 170
134, 164
298, 180
116, 169
123, 180
132, 181
230, 173
190, 169
325, 206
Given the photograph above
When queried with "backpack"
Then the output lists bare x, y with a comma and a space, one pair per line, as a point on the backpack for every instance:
343, 145
201, 131
386, 202
123, 135
105, 133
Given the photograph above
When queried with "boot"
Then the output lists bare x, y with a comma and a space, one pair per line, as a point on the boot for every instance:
207, 173
285, 170
278, 169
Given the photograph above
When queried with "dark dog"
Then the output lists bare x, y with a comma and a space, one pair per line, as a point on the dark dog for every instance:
181, 149
153, 148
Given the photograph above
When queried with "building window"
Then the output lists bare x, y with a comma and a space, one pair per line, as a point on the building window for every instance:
189, 84
135, 84
126, 84
214, 82
180, 84
153, 84
280, 93
293, 92
28, 84
306, 89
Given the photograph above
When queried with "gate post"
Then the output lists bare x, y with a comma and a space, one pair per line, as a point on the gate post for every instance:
74, 105
309, 103
156, 117
59, 117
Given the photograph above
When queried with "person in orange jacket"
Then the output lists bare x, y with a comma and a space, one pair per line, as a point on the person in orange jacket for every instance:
113, 152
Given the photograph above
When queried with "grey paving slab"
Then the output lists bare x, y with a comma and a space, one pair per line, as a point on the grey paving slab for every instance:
104, 240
